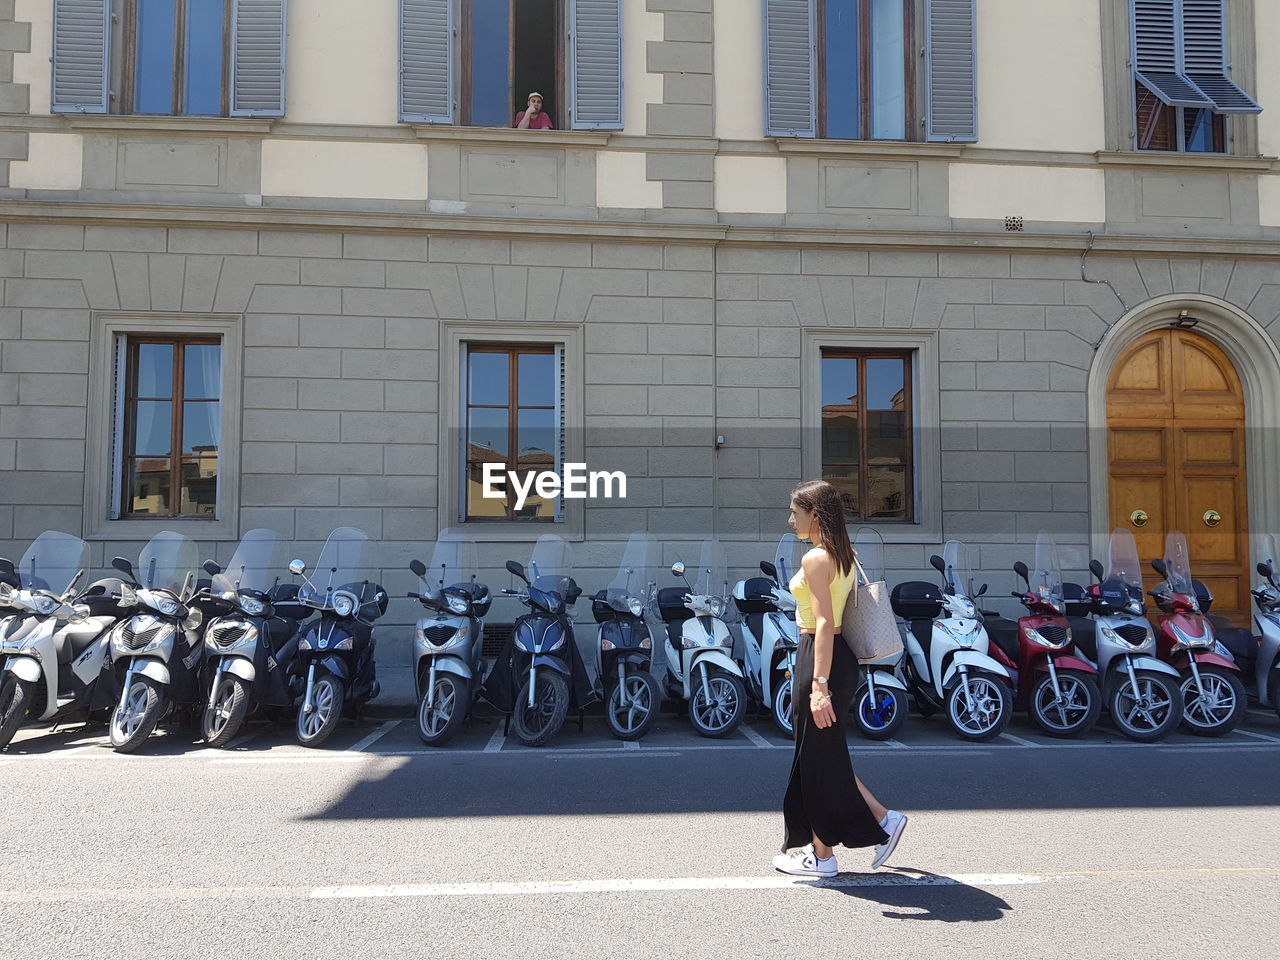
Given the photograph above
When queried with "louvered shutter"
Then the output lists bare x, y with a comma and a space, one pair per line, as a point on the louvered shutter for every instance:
426, 61
951, 71
118, 380
595, 64
790, 94
81, 52
1157, 41
257, 58
1204, 41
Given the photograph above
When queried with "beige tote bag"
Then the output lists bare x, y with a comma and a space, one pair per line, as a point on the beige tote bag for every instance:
868, 624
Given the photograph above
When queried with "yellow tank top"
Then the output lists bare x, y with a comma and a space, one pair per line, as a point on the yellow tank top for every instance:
840, 587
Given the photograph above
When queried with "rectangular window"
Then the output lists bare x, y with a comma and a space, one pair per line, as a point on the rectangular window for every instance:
510, 48
512, 416
170, 432
178, 51
1183, 91
865, 70
867, 442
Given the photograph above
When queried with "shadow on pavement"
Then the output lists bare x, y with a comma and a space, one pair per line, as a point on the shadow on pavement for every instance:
949, 901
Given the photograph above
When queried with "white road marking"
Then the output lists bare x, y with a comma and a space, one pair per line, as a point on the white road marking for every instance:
496, 741
318, 758
374, 737
1259, 736
896, 744
560, 887
630, 745
1018, 740
756, 738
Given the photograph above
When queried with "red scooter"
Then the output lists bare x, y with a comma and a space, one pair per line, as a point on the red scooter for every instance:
1213, 694
1058, 689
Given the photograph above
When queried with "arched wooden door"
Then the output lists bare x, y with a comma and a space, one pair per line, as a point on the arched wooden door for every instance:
1176, 442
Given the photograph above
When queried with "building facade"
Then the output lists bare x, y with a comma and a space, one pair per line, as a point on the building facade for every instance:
995, 267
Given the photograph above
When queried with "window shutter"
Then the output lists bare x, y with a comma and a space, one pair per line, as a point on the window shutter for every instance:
790, 92
595, 64
257, 58
426, 61
120, 355
951, 74
81, 52
1204, 42
1156, 53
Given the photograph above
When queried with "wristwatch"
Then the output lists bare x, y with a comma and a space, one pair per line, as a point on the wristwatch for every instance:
819, 679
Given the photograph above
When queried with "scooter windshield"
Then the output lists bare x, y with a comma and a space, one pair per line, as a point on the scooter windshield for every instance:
165, 561
252, 566
453, 561
51, 562
870, 547
788, 556
1122, 563
1046, 576
713, 570
551, 564
1267, 553
345, 559
955, 556
1177, 562
636, 571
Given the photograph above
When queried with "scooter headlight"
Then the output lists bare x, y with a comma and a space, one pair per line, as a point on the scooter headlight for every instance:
635, 606
1035, 636
252, 607
457, 604
716, 606
167, 606
343, 605
646, 643
46, 605
965, 638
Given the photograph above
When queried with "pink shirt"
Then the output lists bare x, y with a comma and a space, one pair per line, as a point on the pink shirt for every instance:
540, 122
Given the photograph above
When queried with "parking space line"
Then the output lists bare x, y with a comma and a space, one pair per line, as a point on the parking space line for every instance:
630, 745
318, 758
1259, 736
755, 737
374, 737
896, 744
1018, 740
496, 741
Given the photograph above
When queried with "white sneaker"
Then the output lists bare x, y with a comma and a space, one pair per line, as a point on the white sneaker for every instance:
893, 824
803, 862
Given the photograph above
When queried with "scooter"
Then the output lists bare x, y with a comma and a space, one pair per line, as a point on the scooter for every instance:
770, 636
1213, 694
1266, 664
1058, 689
447, 643
880, 703
157, 652
698, 646
336, 669
52, 644
948, 665
624, 644
1140, 692
251, 644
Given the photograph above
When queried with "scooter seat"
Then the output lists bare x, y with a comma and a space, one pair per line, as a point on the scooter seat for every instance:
1239, 641
1003, 632
1084, 634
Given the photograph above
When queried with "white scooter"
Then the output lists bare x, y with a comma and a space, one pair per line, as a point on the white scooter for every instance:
52, 648
769, 632
948, 666
1267, 596
698, 647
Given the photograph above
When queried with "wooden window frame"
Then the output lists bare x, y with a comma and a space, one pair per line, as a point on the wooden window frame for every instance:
177, 400
129, 61
513, 408
861, 356
465, 63
910, 54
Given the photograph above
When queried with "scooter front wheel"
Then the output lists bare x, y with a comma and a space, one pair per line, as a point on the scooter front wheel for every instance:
1151, 711
719, 714
536, 725
135, 719
224, 716
327, 699
782, 709
635, 718
1072, 714
1221, 707
438, 722
881, 717
15, 702
978, 707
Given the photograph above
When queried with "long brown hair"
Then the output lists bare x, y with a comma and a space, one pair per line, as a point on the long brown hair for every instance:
823, 500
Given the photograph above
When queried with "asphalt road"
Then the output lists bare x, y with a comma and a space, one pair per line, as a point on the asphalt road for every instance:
376, 846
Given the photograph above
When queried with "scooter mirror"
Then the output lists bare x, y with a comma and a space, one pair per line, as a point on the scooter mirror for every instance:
1159, 567
1020, 569
124, 566
677, 568
297, 567
938, 564
6, 566
516, 569
418, 567
982, 589
1265, 570
1095, 567
768, 569
211, 568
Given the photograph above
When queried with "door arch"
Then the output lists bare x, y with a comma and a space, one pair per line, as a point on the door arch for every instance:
1176, 453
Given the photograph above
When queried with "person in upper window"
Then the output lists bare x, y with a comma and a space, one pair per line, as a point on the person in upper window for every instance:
532, 117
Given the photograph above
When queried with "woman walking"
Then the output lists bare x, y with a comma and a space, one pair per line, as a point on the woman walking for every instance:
825, 803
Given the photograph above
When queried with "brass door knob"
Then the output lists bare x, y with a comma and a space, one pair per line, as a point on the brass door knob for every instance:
1138, 518
1212, 518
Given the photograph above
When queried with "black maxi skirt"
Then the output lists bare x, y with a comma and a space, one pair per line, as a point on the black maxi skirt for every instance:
822, 796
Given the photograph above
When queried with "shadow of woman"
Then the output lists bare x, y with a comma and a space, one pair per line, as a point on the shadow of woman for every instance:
928, 896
